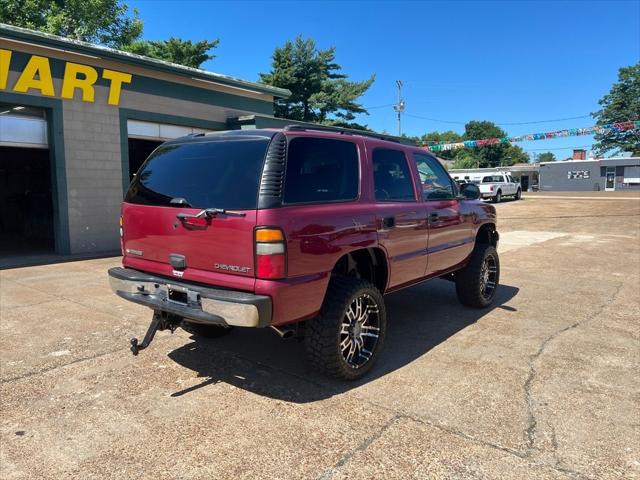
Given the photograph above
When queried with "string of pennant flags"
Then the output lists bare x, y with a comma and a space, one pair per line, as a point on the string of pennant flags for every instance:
569, 132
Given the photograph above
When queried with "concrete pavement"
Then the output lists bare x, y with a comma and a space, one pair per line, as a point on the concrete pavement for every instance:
543, 385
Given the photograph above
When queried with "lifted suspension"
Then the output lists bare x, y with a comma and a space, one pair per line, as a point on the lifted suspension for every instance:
160, 321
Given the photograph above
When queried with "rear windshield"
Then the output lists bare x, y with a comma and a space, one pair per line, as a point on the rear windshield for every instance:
493, 179
216, 174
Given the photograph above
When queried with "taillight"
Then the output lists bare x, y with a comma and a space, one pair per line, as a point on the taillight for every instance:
491, 187
121, 236
271, 258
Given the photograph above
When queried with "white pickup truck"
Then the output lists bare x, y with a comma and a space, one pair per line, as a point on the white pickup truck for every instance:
498, 185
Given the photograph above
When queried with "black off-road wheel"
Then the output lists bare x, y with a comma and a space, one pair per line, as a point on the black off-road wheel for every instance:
498, 197
345, 339
207, 331
518, 194
477, 283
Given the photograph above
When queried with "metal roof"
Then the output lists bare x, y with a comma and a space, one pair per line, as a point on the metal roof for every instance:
606, 159
77, 46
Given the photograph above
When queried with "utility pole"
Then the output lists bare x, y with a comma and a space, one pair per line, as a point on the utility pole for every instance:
399, 107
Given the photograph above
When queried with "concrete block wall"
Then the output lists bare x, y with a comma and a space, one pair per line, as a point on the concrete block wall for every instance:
94, 173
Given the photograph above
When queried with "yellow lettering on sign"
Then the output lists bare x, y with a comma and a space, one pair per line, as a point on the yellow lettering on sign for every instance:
37, 66
5, 59
71, 81
115, 86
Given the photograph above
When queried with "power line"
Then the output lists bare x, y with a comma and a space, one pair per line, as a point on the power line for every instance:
498, 123
546, 121
380, 106
554, 148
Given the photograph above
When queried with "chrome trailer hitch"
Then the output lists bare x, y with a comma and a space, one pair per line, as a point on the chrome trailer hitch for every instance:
160, 321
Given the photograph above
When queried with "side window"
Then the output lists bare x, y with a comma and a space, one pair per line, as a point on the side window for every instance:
435, 181
391, 176
321, 170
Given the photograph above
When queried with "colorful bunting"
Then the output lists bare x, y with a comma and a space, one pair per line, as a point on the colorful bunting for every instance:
571, 132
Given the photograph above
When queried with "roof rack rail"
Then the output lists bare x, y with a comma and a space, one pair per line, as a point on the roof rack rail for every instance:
348, 131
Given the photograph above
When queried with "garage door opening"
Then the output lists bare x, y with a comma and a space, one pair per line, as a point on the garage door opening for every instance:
144, 137
26, 197
26, 206
139, 150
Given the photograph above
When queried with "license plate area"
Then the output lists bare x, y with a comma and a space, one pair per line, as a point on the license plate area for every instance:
177, 296
182, 296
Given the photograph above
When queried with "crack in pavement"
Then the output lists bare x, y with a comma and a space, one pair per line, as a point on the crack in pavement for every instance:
332, 471
531, 430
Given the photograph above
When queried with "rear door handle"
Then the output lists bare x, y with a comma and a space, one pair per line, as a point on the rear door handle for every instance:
388, 222
434, 217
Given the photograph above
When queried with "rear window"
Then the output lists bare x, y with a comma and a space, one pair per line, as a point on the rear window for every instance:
216, 174
391, 176
493, 179
321, 170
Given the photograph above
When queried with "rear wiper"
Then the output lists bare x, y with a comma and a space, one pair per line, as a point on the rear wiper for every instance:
212, 212
208, 213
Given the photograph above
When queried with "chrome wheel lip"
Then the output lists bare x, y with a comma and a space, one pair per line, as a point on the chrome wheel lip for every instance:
360, 331
489, 277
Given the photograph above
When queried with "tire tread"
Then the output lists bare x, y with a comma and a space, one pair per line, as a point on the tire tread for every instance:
321, 331
468, 279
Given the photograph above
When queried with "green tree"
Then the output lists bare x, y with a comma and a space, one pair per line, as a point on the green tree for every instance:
319, 91
175, 50
491, 155
465, 159
503, 154
621, 104
443, 137
107, 22
547, 157
515, 154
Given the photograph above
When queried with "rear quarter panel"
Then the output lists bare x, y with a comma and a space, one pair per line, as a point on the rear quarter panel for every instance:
316, 237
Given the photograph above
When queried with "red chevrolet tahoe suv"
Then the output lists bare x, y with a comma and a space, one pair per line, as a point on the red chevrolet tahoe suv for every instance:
301, 229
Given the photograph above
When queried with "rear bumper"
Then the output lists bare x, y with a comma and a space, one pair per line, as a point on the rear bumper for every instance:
194, 302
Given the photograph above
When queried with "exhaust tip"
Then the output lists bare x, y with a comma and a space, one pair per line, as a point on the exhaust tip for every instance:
284, 333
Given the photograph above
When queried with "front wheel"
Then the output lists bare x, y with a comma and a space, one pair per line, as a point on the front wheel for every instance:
518, 194
477, 283
345, 339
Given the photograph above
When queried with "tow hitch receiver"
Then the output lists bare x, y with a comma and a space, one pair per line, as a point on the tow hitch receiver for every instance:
160, 321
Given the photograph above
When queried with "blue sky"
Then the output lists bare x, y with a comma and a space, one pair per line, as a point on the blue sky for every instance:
507, 62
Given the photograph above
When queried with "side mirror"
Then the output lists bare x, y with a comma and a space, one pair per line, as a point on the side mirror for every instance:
470, 191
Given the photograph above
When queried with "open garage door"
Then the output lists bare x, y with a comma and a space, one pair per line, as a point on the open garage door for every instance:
144, 137
26, 201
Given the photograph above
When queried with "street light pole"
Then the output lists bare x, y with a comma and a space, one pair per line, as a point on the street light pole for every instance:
399, 107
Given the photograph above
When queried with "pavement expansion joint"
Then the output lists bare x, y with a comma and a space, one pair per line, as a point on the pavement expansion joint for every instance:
68, 299
64, 365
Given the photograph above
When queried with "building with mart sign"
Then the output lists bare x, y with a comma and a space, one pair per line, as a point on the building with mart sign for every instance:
77, 120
